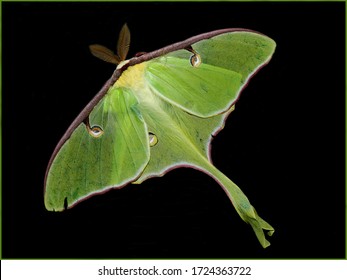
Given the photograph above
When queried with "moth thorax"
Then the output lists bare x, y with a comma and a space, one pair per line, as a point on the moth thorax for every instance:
132, 77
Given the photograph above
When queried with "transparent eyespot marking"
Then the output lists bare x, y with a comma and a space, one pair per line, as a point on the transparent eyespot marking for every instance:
153, 139
94, 131
195, 60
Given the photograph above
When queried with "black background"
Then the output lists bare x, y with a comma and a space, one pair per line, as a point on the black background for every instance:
283, 145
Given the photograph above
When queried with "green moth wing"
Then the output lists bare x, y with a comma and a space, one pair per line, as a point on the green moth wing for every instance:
175, 100
211, 86
109, 150
192, 88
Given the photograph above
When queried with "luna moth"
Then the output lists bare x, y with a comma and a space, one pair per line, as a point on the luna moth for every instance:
158, 111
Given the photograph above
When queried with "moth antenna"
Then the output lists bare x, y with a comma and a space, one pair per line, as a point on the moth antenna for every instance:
123, 43
104, 54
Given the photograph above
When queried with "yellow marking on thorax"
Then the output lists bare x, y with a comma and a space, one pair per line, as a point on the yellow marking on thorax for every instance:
133, 77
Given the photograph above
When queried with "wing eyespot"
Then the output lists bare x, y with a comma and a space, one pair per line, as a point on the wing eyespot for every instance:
94, 131
195, 60
153, 139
